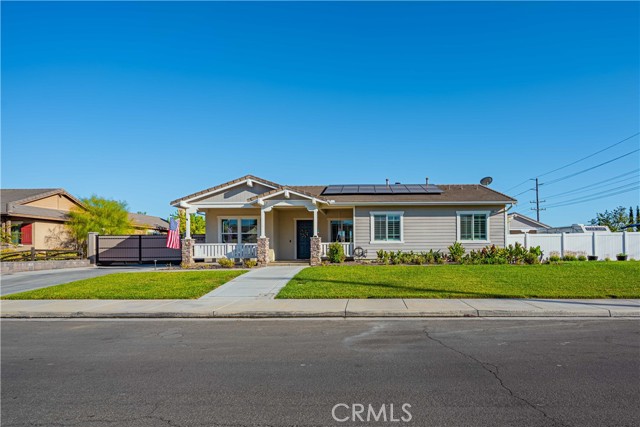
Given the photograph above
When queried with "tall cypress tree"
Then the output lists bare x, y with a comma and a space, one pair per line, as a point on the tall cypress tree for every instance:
631, 218
638, 217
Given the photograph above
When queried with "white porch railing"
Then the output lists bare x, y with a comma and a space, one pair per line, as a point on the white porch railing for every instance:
348, 248
225, 250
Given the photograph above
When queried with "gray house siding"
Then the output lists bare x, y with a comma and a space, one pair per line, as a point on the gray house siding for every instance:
426, 228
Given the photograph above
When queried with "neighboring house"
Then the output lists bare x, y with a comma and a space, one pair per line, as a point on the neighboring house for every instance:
578, 228
147, 224
519, 224
299, 220
36, 217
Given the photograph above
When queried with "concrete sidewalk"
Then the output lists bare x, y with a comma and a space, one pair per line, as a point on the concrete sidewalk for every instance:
234, 307
259, 283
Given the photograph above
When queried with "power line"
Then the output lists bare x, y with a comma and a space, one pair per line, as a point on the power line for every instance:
590, 155
516, 186
593, 196
591, 187
588, 169
525, 191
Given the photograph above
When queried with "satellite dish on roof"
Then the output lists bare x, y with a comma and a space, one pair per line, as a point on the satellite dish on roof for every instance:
486, 180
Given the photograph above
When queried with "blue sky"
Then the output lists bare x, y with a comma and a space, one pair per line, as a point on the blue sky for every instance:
147, 102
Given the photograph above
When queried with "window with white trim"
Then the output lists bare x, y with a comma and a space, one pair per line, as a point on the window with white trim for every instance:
474, 226
239, 230
341, 230
229, 230
387, 227
249, 230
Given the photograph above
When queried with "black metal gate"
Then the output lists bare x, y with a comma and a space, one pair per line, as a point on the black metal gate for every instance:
135, 248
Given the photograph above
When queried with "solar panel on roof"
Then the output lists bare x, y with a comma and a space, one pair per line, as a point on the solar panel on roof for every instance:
381, 189
399, 189
333, 189
415, 188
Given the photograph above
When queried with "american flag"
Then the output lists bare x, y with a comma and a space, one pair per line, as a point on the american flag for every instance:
173, 238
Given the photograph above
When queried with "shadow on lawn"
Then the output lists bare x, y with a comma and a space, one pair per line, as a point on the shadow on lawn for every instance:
418, 291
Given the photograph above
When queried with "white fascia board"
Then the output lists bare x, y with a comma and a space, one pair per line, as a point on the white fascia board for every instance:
350, 204
288, 190
246, 181
223, 205
289, 203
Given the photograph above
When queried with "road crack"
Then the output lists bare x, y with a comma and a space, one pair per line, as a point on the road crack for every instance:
494, 371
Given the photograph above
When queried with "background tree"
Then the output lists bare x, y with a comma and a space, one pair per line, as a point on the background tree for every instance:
630, 219
101, 215
638, 217
615, 219
198, 224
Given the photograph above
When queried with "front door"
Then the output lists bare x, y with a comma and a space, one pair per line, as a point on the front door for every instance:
304, 230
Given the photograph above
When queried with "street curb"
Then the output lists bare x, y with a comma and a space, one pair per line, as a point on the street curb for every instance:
249, 308
291, 315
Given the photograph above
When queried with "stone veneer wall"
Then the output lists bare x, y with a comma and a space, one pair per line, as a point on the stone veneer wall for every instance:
263, 251
316, 251
18, 266
187, 251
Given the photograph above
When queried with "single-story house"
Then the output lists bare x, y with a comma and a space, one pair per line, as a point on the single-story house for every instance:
148, 224
35, 217
520, 224
251, 217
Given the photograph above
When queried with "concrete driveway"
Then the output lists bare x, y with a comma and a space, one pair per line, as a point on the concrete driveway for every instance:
29, 280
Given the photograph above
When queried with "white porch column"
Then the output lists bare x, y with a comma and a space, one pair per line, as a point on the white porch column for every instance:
263, 227
187, 230
315, 222
188, 210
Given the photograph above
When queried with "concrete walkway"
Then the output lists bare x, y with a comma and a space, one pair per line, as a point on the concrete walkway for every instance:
259, 283
251, 307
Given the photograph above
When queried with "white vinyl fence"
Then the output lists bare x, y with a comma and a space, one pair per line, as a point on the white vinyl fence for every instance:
604, 245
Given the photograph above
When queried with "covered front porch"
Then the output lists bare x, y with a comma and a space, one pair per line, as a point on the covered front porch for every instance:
235, 232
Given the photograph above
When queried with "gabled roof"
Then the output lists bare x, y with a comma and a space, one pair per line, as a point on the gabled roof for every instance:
11, 198
451, 193
148, 221
529, 219
227, 184
295, 190
455, 193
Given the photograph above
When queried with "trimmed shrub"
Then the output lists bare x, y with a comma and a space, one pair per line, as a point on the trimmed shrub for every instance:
336, 253
531, 258
456, 252
250, 263
226, 263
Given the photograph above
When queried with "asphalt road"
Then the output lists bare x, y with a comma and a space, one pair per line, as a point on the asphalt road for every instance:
464, 372
28, 280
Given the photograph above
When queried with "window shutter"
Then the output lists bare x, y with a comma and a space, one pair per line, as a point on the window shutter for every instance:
27, 234
380, 227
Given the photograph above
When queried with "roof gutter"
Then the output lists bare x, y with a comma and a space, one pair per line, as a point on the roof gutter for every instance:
492, 202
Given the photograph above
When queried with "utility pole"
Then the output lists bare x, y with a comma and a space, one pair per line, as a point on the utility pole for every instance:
537, 201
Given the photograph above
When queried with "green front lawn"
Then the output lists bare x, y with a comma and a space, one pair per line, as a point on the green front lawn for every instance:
153, 285
563, 280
